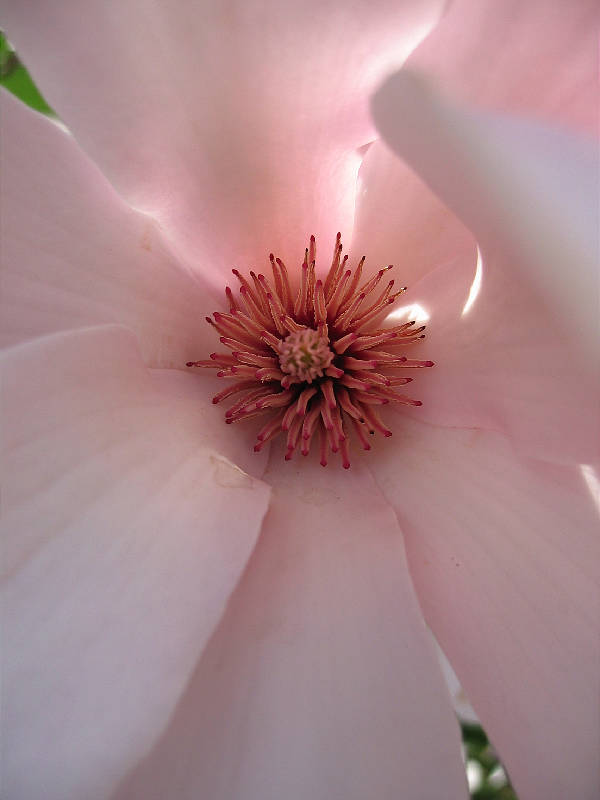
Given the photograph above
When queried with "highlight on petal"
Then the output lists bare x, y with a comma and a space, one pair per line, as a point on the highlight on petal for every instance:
533, 57
529, 194
500, 364
238, 162
475, 287
321, 680
127, 524
504, 555
589, 473
75, 254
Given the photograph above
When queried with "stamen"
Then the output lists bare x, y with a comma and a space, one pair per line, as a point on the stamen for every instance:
351, 291
289, 417
341, 320
293, 437
314, 359
246, 400
235, 344
272, 428
320, 310
366, 342
354, 383
304, 398
253, 307
231, 300
331, 275
323, 446
358, 363
370, 285
336, 299
228, 327
344, 343
277, 277
233, 389
345, 452
205, 364
346, 403
292, 325
300, 305
269, 374
243, 371
310, 421
253, 358
270, 340
287, 292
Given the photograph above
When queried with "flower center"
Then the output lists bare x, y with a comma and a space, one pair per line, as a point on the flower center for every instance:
317, 360
305, 354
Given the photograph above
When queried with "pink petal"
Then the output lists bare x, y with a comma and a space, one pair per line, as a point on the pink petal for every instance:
533, 57
529, 193
504, 553
500, 365
517, 352
235, 127
75, 254
321, 681
400, 221
127, 525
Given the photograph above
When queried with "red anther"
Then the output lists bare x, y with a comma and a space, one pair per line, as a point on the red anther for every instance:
345, 451
323, 446
326, 414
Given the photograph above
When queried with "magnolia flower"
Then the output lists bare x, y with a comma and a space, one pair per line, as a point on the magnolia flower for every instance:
187, 618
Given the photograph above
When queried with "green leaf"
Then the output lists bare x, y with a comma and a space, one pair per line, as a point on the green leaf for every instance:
17, 80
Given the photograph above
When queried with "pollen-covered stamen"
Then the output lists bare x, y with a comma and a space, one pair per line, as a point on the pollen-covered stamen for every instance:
312, 355
305, 355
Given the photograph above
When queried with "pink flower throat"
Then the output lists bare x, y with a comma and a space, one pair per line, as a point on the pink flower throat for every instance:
314, 361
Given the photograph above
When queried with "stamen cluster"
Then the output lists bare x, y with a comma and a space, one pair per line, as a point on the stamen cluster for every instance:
315, 360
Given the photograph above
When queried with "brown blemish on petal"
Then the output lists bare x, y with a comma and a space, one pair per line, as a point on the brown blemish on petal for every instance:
146, 240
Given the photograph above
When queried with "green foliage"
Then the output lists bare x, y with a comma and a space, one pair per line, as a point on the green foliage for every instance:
494, 786
17, 80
